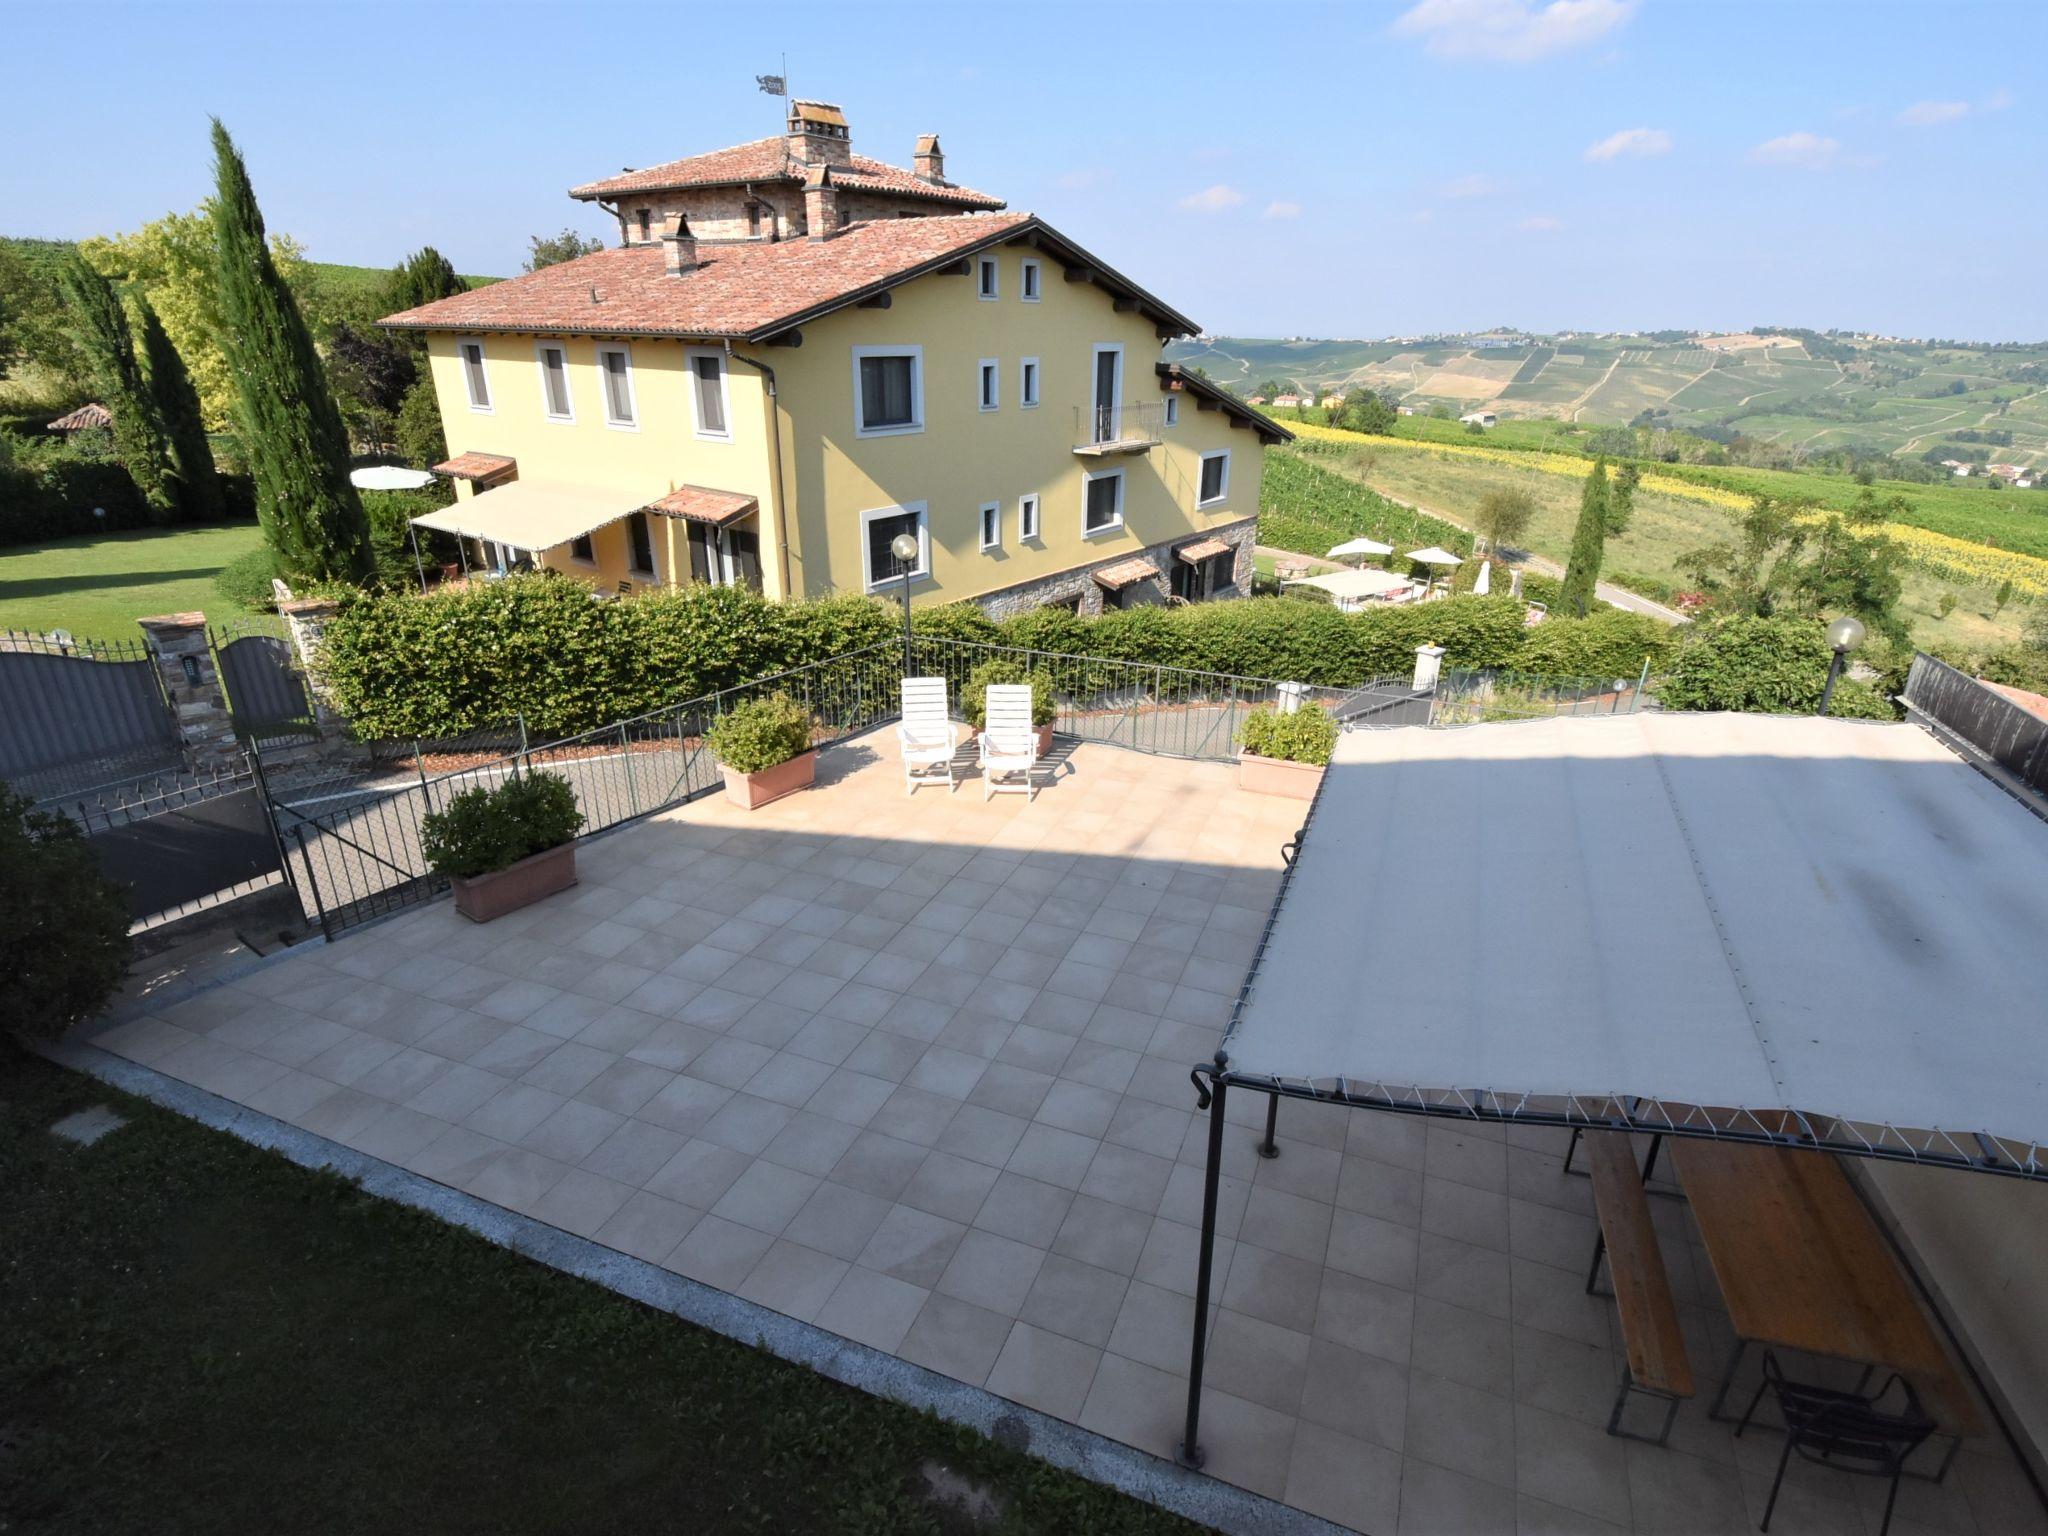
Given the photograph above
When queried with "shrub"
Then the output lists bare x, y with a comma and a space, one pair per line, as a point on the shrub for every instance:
487, 829
1607, 643
974, 698
64, 934
418, 428
761, 733
1768, 666
1308, 735
391, 514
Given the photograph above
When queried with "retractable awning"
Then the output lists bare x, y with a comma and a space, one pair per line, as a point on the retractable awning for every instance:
533, 514
1758, 926
1354, 584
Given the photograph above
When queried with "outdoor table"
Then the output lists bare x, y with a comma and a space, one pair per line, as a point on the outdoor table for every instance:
1804, 1266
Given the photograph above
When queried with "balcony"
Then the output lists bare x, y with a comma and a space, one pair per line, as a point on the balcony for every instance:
1105, 431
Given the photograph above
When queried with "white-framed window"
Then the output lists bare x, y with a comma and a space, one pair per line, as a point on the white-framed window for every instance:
475, 378
987, 280
552, 360
710, 405
1028, 279
1215, 483
888, 391
640, 540
991, 525
878, 529
1027, 383
1027, 517
1106, 391
1102, 501
1173, 410
615, 383
990, 389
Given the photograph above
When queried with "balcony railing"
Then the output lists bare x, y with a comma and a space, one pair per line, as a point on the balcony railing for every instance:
1135, 426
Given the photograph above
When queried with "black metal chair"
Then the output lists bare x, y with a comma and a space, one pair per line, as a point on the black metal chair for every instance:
1848, 1430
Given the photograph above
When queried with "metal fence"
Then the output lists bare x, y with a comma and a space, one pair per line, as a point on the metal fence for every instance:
2014, 738
78, 714
259, 674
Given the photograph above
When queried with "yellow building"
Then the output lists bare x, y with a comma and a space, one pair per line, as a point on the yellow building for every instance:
797, 354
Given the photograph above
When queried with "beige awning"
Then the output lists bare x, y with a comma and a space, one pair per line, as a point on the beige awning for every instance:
1353, 585
534, 514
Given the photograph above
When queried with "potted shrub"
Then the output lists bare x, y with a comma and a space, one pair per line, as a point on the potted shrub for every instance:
974, 698
503, 848
1284, 754
765, 746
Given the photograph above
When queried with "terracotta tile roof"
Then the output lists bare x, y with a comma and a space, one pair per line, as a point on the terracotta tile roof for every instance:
701, 504
768, 160
744, 290
477, 466
1124, 572
1200, 550
92, 415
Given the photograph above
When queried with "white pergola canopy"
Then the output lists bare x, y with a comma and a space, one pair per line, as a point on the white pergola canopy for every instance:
1351, 586
1712, 919
533, 514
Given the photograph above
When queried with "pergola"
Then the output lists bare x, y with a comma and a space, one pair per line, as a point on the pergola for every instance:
1796, 932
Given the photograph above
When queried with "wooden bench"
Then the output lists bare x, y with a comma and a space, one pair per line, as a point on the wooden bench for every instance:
1657, 1364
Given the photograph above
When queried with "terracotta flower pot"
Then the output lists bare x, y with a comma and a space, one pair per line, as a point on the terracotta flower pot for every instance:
483, 897
1277, 776
751, 791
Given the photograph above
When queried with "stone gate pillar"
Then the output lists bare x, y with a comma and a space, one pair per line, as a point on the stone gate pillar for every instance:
184, 662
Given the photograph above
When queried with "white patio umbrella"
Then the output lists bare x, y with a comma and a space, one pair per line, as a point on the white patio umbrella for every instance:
1360, 546
1435, 556
1484, 584
389, 477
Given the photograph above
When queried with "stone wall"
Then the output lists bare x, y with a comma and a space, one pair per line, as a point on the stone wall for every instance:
1066, 586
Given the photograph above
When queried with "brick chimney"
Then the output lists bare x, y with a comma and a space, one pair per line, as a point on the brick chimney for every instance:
678, 245
928, 160
818, 135
821, 203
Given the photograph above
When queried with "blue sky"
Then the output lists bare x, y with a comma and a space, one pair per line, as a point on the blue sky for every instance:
1333, 170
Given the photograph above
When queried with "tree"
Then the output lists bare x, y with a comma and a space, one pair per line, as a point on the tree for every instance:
1589, 544
290, 427
33, 328
418, 429
64, 951
372, 372
423, 277
1790, 559
101, 328
177, 405
170, 262
550, 250
1365, 411
1503, 516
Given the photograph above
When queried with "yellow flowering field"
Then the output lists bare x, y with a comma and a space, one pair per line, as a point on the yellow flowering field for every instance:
1938, 554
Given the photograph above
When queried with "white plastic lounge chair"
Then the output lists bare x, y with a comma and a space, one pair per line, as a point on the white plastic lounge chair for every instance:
1009, 741
928, 737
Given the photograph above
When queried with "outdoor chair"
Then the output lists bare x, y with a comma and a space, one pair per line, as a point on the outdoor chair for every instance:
1845, 1430
1009, 741
927, 734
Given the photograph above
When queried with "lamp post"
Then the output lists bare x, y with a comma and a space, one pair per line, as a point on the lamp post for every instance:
904, 548
1844, 635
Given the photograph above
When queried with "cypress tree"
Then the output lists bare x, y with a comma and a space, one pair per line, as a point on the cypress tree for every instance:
101, 328
424, 276
1589, 541
289, 424
177, 404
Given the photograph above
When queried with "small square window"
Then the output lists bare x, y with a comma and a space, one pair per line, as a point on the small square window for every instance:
1027, 517
1027, 383
988, 280
1215, 479
991, 388
888, 390
580, 548
880, 529
1028, 280
991, 525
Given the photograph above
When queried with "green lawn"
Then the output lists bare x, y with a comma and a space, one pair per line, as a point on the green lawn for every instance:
201, 1336
97, 586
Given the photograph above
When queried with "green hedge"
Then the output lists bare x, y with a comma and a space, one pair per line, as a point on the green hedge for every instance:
1766, 666
541, 647
52, 489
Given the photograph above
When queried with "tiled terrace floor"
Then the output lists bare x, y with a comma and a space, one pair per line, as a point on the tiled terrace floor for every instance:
916, 1070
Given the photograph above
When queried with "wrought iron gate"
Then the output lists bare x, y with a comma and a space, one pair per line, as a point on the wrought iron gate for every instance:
260, 674
80, 713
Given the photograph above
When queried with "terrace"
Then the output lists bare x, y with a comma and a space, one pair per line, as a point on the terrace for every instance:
914, 1071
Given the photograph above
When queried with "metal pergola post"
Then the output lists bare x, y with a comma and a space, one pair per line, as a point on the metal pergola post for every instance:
1211, 1098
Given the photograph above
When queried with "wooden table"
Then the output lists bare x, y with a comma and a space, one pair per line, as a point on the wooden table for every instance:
1803, 1266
